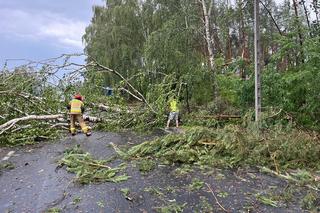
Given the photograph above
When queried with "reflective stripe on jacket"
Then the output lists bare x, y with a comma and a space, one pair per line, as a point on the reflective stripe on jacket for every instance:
75, 106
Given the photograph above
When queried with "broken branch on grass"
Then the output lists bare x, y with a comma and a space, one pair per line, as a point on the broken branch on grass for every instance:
62, 125
275, 114
21, 127
95, 164
286, 177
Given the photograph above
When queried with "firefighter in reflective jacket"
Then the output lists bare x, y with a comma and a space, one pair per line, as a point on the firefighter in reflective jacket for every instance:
76, 108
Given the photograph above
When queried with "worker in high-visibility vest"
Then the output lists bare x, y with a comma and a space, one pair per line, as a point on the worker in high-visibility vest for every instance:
174, 112
76, 108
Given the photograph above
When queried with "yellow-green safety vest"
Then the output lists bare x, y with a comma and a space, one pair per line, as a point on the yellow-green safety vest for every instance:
173, 106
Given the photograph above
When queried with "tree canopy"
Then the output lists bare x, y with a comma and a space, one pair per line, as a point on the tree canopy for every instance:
156, 43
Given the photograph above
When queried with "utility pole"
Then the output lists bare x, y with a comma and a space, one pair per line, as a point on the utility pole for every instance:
257, 66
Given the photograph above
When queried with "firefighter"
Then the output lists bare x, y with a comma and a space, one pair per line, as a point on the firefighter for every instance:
174, 112
76, 108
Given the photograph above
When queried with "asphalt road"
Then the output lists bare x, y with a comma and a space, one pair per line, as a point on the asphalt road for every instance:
35, 185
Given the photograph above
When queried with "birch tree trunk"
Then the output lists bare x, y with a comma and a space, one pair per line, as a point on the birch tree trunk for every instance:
315, 7
206, 13
306, 14
207, 31
244, 54
6, 126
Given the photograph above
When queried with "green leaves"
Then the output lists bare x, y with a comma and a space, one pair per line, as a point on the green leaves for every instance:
196, 184
90, 170
234, 145
266, 200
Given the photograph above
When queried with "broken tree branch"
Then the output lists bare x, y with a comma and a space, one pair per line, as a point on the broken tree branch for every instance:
130, 93
285, 176
103, 107
107, 69
6, 126
216, 198
62, 125
95, 164
91, 118
219, 117
271, 16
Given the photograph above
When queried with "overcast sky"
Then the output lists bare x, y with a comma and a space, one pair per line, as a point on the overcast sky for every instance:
40, 29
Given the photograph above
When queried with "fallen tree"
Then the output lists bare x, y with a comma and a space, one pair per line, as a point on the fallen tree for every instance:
32, 106
27, 91
134, 93
30, 102
59, 117
6, 126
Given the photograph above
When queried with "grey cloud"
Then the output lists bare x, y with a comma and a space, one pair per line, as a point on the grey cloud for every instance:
41, 26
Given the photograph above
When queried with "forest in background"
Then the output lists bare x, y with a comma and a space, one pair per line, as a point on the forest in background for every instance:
203, 51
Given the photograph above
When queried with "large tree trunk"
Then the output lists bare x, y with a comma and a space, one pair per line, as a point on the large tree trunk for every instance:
208, 36
58, 117
6, 126
295, 6
315, 6
228, 54
244, 54
306, 14
207, 31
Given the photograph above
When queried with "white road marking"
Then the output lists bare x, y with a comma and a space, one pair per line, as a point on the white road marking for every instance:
8, 155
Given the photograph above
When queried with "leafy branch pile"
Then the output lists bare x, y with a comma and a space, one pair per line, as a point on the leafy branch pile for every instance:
235, 145
90, 170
